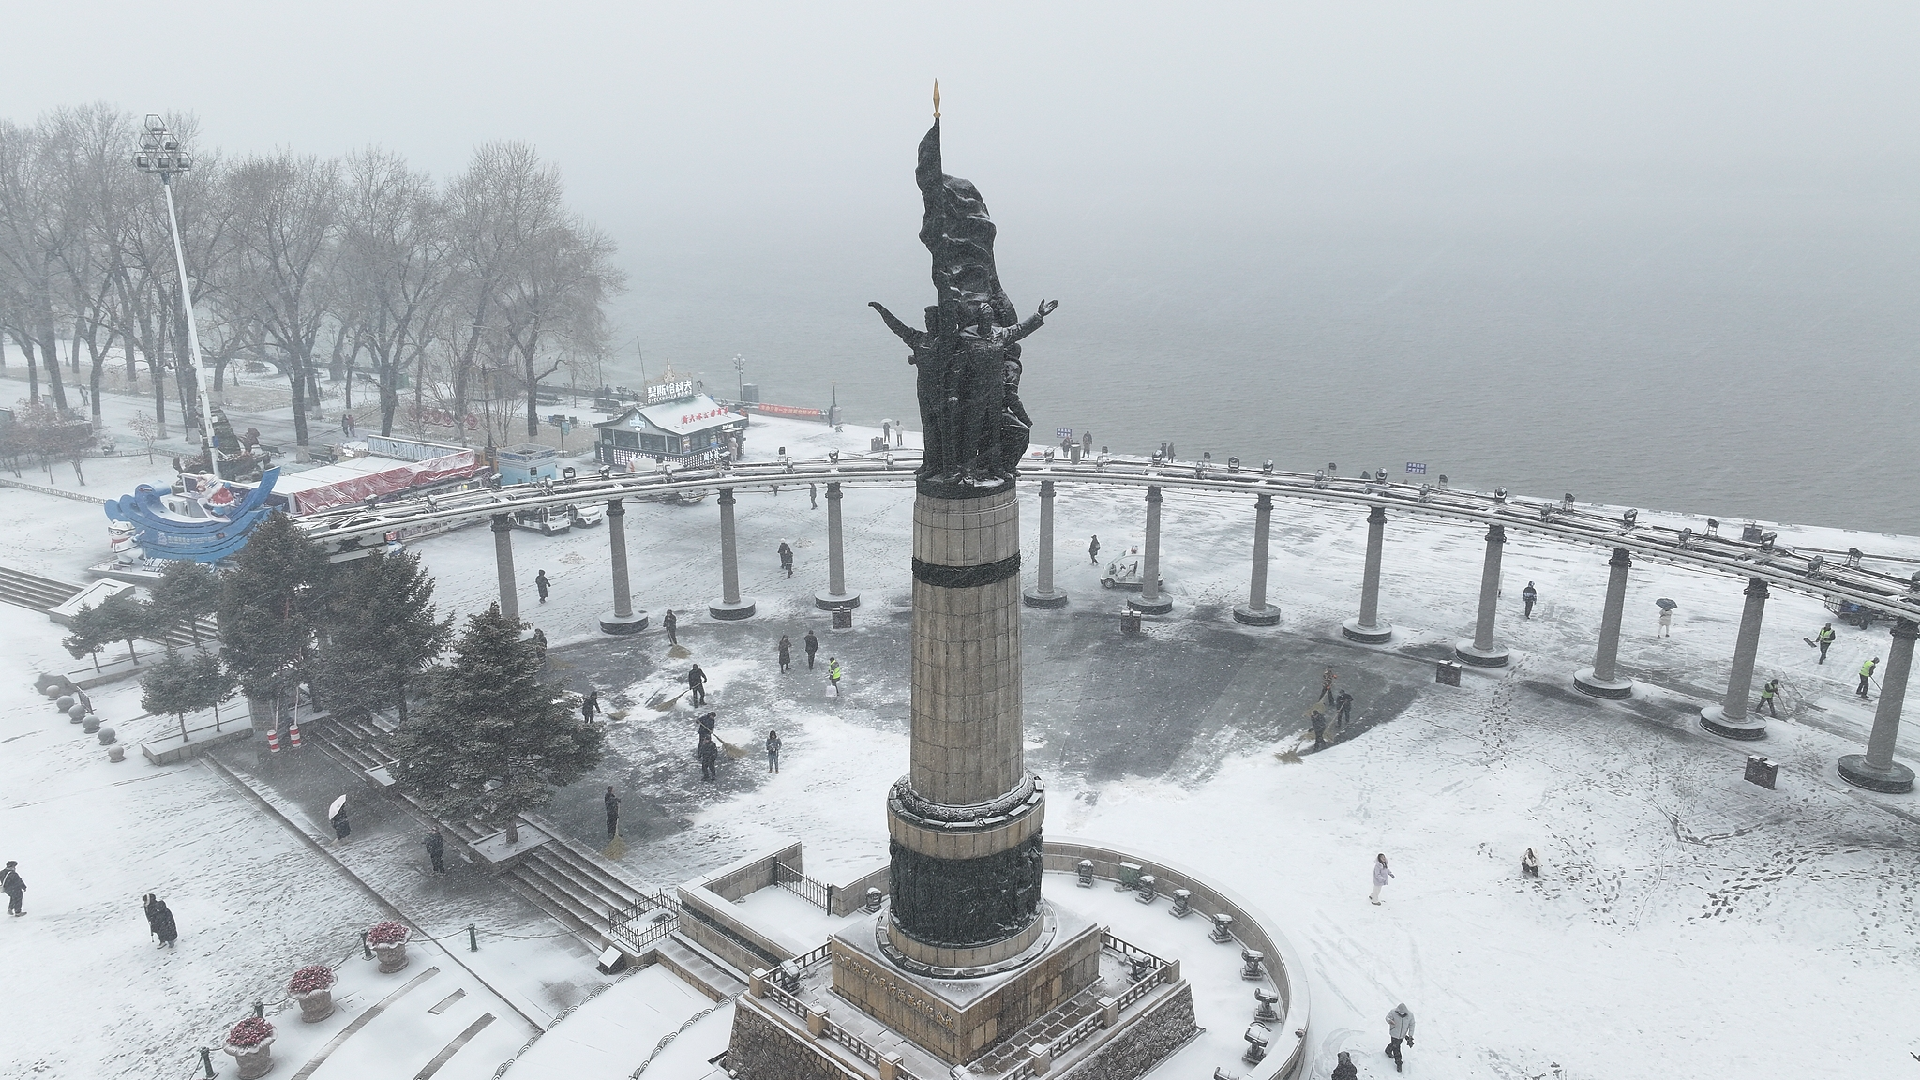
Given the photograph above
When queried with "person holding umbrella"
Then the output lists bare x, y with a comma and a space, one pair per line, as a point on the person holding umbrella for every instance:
1666, 607
337, 817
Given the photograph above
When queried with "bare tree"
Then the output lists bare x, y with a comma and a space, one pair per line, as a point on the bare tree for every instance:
394, 266
34, 230
553, 308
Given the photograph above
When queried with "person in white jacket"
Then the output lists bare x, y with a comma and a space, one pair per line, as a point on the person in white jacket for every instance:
1381, 875
1399, 1030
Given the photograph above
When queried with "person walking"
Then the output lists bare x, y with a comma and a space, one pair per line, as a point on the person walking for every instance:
15, 887
1767, 693
160, 922
709, 757
697, 682
1824, 639
813, 494
613, 812
812, 645
437, 850
1344, 703
786, 654
1381, 875
773, 751
833, 675
1093, 550
341, 827
1666, 623
1318, 718
1529, 596
1399, 1030
590, 705
1326, 686
786, 558
148, 906
668, 622
1866, 677
1346, 1070
541, 584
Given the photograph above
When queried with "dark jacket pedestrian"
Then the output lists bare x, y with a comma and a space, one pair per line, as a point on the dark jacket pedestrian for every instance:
1346, 1070
773, 751
668, 623
709, 757
705, 725
1093, 551
160, 919
786, 558
697, 682
786, 653
341, 828
147, 903
15, 887
437, 850
812, 645
1344, 703
1529, 596
1318, 718
813, 493
590, 705
541, 584
613, 813
1824, 639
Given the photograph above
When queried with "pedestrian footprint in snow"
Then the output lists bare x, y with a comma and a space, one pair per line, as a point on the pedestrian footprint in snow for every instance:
1381, 875
1399, 1030
541, 583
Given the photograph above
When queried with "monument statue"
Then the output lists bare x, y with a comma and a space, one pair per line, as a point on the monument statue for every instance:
968, 355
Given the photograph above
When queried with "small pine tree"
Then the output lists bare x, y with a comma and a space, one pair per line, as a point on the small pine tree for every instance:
382, 632
180, 685
119, 617
186, 592
270, 604
492, 739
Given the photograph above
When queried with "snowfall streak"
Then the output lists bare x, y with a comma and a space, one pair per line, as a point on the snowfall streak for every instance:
353, 533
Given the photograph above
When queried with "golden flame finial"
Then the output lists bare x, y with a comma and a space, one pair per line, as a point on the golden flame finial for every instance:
936, 99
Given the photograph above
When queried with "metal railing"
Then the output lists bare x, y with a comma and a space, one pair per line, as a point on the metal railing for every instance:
620, 922
817, 893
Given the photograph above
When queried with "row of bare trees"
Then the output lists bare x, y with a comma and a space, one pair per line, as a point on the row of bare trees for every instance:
453, 294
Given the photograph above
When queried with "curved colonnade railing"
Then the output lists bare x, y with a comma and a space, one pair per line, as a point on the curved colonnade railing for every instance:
348, 533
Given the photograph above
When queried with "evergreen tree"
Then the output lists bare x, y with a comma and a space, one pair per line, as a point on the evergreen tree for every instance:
119, 617
180, 685
185, 593
382, 632
492, 739
270, 605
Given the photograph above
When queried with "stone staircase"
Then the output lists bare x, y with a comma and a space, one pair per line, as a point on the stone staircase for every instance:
44, 594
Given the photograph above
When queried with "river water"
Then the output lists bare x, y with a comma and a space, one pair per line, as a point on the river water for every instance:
1748, 356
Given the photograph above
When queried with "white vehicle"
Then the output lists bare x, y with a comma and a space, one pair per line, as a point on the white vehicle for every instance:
1125, 573
587, 515
544, 519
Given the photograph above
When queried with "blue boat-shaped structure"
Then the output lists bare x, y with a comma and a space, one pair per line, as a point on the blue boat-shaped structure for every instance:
204, 527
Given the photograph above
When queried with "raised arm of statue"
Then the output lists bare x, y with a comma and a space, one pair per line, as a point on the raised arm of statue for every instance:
915, 339
1037, 320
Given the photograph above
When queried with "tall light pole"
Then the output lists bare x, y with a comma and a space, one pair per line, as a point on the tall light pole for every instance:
160, 153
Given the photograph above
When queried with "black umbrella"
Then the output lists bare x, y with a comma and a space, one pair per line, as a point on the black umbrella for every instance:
1666, 604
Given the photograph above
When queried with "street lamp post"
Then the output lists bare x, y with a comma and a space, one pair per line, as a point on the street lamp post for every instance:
160, 153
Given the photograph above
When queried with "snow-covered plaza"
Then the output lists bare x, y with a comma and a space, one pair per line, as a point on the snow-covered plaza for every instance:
1685, 921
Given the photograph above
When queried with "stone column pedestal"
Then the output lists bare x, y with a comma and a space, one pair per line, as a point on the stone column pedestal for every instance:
1368, 629
1256, 612
836, 595
731, 606
1876, 770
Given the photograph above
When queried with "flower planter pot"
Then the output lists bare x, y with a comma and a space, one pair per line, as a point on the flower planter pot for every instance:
315, 1006
252, 1061
392, 957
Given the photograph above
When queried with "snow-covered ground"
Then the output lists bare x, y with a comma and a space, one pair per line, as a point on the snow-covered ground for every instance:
1686, 921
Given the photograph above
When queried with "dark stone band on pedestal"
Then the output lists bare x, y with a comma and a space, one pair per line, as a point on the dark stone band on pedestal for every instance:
966, 577
910, 803
965, 903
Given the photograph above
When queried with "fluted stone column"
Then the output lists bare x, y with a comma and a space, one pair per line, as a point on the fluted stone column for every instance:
1368, 628
503, 561
1876, 770
1729, 718
1151, 601
1599, 680
1480, 652
730, 606
1257, 613
1044, 595
836, 595
622, 619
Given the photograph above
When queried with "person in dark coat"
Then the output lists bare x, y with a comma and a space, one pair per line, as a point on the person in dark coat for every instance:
668, 622
773, 751
1344, 704
697, 682
1319, 722
786, 558
786, 654
15, 887
709, 757
705, 725
613, 812
1093, 551
812, 645
341, 828
160, 919
1529, 596
540, 583
813, 493
590, 705
437, 850
1346, 1070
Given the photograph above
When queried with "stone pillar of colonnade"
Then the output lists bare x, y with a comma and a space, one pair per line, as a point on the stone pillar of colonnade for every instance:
1368, 628
1152, 601
1481, 651
1730, 719
1599, 680
1257, 612
1876, 770
730, 606
622, 619
1043, 594
503, 561
836, 595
